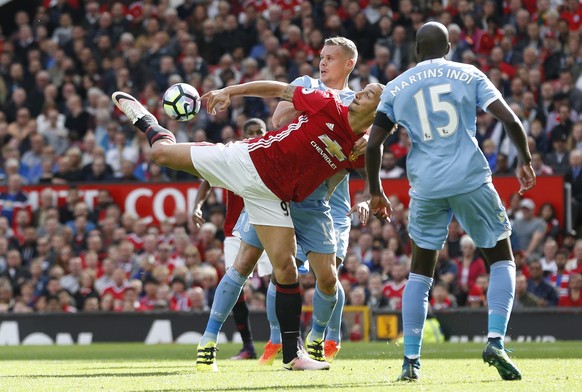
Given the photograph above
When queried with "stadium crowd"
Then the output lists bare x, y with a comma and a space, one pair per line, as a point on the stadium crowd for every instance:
58, 126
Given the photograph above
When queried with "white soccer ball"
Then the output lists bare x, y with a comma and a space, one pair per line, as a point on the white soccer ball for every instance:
181, 102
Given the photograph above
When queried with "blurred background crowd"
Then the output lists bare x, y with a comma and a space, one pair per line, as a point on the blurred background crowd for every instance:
61, 59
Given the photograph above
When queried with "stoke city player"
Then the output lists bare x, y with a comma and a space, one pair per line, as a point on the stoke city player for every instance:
436, 102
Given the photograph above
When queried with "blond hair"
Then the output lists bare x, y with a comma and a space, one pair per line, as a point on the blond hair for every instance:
347, 45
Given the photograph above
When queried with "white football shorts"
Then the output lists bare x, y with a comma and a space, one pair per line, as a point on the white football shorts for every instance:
230, 166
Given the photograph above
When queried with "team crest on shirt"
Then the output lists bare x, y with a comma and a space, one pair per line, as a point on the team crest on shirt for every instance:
306, 90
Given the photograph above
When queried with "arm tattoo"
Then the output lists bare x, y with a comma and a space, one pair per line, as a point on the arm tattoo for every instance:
288, 93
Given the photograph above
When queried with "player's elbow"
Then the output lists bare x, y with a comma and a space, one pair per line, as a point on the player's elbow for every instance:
276, 121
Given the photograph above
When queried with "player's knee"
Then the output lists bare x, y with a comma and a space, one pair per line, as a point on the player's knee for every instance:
286, 273
159, 155
327, 283
244, 265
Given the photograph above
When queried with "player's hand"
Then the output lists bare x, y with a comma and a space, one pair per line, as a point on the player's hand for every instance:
217, 100
360, 146
197, 218
363, 210
526, 177
380, 207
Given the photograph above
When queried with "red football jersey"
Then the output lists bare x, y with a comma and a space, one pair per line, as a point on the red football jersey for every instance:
295, 160
394, 291
234, 206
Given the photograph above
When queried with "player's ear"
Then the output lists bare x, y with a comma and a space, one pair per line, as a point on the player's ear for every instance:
448, 49
350, 65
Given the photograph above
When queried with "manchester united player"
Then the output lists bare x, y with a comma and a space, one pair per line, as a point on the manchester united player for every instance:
252, 128
269, 172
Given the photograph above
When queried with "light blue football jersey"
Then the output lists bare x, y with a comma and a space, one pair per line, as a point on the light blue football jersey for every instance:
436, 101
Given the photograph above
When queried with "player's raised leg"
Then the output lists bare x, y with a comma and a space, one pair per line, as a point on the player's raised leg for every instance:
227, 293
165, 151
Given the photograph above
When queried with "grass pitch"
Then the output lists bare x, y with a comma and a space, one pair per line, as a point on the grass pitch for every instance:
359, 367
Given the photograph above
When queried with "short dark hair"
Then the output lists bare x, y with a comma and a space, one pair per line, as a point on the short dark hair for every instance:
255, 121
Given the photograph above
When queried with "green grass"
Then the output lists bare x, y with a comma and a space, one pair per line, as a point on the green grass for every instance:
359, 367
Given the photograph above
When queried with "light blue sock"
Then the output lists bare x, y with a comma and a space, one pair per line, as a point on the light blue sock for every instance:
323, 306
227, 294
275, 337
500, 297
414, 309
334, 327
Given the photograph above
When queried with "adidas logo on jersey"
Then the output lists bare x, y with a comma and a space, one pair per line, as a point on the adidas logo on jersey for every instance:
330, 126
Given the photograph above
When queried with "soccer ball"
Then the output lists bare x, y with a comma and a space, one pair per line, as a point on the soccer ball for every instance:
181, 102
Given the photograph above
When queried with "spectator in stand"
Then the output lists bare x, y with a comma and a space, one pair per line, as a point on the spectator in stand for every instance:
389, 168
523, 298
440, 298
558, 159
394, 288
528, 230
180, 299
458, 46
446, 270
15, 272
502, 167
13, 199
117, 288
540, 168
574, 297
476, 297
575, 140
490, 152
470, 266
198, 300
6, 296
71, 281
560, 278
548, 259
521, 265
538, 285
548, 214
106, 279
574, 178
47, 200
375, 288
86, 289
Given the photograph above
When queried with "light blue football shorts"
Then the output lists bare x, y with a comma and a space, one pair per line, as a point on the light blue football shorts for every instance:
480, 213
313, 228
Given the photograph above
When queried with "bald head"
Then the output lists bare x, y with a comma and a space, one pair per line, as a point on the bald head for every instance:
432, 41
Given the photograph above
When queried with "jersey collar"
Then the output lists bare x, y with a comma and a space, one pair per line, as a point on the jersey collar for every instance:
432, 61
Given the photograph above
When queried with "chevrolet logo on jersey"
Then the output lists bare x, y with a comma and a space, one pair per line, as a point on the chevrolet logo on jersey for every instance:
333, 147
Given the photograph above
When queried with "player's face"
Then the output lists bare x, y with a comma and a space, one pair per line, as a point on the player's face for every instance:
334, 66
367, 99
253, 131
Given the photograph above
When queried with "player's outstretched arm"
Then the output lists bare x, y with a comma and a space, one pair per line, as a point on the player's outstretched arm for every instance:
284, 113
514, 128
379, 203
220, 99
